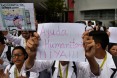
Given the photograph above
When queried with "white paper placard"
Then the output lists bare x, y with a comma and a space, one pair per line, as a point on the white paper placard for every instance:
113, 34
61, 41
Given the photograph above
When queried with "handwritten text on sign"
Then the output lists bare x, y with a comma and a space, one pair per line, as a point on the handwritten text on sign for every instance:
61, 41
113, 34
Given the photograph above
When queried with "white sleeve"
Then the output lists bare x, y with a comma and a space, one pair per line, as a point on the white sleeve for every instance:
41, 65
5, 63
5, 60
84, 70
14, 39
7, 68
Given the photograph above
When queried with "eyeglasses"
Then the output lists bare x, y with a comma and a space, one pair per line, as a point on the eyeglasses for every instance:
17, 55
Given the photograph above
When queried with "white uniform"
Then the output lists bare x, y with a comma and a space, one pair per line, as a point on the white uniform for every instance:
107, 71
89, 28
20, 41
11, 70
21, 73
83, 69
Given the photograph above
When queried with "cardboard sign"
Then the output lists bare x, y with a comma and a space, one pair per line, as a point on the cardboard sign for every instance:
61, 41
19, 16
113, 34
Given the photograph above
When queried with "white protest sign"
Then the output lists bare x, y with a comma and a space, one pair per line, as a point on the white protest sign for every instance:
113, 34
61, 41
19, 16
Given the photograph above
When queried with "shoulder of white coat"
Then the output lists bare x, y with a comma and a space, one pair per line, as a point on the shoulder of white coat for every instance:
110, 61
82, 65
8, 67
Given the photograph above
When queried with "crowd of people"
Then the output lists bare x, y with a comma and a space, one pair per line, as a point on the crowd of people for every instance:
19, 60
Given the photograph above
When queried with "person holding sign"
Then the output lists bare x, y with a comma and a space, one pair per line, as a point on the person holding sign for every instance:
64, 68
103, 58
20, 41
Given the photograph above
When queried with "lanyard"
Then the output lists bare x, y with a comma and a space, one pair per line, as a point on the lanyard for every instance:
103, 61
15, 73
61, 71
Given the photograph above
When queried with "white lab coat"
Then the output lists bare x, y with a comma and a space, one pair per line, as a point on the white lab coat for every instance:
22, 72
71, 73
11, 71
83, 69
107, 71
20, 41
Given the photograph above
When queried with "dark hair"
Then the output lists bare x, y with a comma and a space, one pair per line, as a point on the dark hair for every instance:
100, 37
23, 50
99, 23
89, 22
101, 28
2, 38
111, 45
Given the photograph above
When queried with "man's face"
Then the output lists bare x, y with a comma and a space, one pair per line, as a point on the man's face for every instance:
25, 34
89, 24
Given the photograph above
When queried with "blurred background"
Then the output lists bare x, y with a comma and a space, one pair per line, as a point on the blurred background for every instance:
73, 10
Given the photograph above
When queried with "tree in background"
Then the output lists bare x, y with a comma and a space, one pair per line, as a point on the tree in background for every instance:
55, 10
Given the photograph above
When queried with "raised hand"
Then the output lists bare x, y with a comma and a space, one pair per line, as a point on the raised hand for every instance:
89, 46
90, 49
32, 44
31, 48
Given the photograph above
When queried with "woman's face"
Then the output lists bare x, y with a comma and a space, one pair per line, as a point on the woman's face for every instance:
18, 57
113, 50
